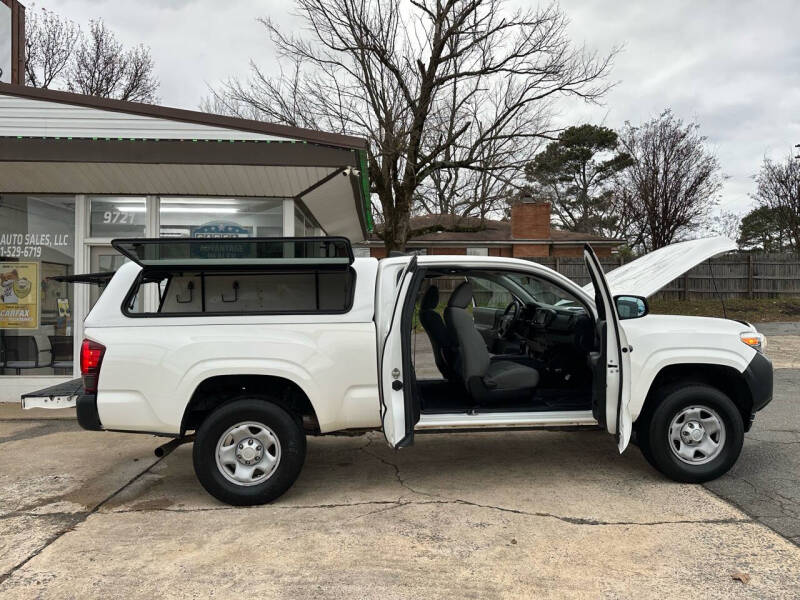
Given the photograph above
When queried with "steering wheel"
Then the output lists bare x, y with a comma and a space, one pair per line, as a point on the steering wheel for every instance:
508, 320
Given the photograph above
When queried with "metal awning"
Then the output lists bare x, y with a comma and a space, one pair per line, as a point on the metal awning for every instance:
62, 143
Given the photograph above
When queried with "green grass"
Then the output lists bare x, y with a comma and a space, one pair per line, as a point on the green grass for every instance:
756, 310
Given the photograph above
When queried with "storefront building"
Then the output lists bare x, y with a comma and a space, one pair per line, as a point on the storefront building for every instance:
77, 172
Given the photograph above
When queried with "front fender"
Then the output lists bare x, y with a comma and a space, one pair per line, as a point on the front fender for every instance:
644, 377
661, 341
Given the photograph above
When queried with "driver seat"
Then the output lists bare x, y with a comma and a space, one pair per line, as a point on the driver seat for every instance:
487, 381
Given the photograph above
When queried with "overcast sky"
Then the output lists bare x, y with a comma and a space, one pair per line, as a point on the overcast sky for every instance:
733, 67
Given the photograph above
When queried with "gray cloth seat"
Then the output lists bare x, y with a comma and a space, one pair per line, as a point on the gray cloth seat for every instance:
441, 342
486, 381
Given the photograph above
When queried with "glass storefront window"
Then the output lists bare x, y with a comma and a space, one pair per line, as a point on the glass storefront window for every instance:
36, 313
102, 259
117, 216
220, 217
303, 225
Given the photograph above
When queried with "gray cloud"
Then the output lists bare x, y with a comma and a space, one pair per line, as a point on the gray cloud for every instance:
732, 66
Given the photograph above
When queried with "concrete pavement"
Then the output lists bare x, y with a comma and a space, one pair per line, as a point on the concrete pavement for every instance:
551, 514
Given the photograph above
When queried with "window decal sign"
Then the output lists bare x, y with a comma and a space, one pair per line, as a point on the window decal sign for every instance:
221, 229
19, 295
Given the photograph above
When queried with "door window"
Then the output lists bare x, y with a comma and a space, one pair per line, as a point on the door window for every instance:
545, 292
489, 294
103, 259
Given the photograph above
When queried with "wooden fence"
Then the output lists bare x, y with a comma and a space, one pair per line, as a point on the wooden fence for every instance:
741, 275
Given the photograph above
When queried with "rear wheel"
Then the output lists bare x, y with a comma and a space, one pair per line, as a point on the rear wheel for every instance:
249, 451
694, 434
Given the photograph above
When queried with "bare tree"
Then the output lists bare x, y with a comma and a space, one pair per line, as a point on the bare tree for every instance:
483, 191
672, 184
726, 223
50, 40
102, 67
778, 188
394, 72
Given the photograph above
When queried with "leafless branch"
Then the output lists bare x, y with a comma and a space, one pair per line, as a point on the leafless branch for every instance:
674, 180
452, 95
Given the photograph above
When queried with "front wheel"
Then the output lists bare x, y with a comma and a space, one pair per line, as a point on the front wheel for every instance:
694, 434
249, 451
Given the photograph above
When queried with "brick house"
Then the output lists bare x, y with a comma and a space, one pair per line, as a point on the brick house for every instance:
527, 234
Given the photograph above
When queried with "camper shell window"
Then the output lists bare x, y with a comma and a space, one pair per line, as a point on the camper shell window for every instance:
244, 292
236, 276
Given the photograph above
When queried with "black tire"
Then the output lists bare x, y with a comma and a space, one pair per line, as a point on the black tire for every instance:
285, 428
654, 432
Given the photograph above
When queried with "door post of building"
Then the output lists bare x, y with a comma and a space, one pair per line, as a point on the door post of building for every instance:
80, 293
288, 217
288, 226
152, 229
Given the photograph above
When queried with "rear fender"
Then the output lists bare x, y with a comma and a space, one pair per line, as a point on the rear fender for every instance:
287, 370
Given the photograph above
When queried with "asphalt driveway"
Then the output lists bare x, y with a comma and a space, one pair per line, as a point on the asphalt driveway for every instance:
765, 482
551, 514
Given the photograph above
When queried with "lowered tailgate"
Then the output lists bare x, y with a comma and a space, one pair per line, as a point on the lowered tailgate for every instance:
62, 395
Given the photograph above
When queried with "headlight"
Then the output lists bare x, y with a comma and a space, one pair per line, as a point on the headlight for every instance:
755, 340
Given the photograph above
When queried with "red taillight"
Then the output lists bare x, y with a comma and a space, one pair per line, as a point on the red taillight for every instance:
91, 358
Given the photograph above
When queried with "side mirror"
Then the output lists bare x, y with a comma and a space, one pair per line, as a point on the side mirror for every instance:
631, 307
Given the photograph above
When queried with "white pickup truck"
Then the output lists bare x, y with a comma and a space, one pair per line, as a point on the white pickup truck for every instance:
252, 344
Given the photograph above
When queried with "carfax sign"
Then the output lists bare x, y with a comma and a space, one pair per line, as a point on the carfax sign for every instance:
19, 295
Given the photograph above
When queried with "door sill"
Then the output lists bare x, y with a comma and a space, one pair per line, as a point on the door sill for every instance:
564, 418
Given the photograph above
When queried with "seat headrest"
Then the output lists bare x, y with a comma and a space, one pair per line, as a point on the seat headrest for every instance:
430, 299
461, 296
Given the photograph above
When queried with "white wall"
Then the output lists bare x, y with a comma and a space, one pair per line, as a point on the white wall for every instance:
41, 118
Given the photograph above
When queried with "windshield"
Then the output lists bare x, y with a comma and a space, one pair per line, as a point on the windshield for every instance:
544, 292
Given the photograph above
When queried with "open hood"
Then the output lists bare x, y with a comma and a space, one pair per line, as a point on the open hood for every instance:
651, 272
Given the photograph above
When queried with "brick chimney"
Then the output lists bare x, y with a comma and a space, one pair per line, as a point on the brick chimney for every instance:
530, 220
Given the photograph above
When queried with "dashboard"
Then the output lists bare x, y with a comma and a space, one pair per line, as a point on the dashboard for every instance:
545, 327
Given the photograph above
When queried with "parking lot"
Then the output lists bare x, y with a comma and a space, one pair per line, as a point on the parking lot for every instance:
551, 514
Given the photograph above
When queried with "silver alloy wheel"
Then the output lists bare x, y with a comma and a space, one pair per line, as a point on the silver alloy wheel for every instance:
248, 453
696, 435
